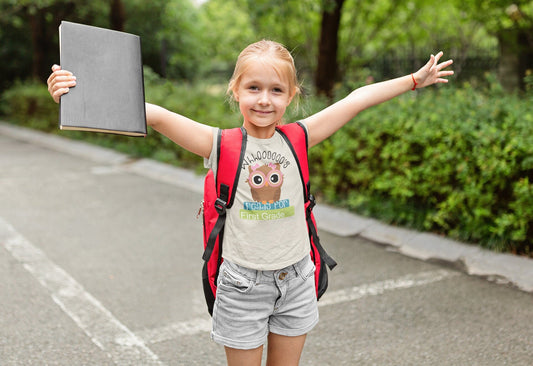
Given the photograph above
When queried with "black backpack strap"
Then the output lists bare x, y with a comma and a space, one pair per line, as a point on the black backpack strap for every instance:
330, 262
231, 143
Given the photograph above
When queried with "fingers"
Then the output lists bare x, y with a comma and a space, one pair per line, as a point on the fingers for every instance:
444, 73
56, 95
441, 74
438, 56
431, 62
60, 85
59, 82
437, 67
432, 72
445, 64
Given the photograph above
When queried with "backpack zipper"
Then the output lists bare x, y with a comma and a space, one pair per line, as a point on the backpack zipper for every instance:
200, 210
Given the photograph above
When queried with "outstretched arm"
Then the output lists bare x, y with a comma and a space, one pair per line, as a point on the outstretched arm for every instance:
189, 134
326, 122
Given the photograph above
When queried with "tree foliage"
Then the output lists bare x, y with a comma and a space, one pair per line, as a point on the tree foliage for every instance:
182, 40
28, 33
511, 23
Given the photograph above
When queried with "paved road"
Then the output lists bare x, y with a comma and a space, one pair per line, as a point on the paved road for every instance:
100, 264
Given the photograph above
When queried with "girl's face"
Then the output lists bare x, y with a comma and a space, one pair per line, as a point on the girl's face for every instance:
263, 97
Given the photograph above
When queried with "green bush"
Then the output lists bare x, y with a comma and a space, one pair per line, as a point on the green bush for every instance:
29, 104
453, 161
456, 161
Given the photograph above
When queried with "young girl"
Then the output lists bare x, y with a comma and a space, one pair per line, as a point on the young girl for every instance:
266, 286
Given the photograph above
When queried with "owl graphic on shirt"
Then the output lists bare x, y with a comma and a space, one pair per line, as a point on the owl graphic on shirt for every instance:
265, 182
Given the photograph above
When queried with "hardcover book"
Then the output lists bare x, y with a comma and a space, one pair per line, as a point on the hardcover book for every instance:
109, 92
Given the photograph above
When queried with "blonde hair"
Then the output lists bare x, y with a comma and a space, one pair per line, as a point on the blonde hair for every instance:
277, 56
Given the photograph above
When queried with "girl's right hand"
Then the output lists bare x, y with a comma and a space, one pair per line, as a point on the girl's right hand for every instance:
59, 82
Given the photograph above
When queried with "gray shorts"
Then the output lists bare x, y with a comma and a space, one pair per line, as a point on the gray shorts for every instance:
249, 304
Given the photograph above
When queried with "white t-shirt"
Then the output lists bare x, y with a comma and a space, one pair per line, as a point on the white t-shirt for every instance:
265, 228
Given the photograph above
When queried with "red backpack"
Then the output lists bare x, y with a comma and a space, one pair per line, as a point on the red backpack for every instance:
219, 193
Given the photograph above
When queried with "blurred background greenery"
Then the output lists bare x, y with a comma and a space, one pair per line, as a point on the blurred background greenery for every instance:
455, 159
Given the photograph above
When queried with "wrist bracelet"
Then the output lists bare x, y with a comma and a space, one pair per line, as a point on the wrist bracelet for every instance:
414, 81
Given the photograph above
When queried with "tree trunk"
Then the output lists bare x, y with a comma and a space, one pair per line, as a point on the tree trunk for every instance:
516, 57
163, 57
39, 43
117, 15
525, 40
327, 68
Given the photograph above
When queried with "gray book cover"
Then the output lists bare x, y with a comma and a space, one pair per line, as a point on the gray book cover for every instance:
109, 92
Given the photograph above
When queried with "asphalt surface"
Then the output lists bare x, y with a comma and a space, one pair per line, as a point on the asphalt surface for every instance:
100, 259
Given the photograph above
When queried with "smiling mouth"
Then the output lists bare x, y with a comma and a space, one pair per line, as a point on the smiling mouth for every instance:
261, 112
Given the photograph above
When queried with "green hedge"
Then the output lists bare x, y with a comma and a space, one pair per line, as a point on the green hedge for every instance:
29, 104
453, 161
456, 161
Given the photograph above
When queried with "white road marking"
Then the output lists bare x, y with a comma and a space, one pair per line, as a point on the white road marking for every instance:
378, 288
172, 331
86, 311
126, 347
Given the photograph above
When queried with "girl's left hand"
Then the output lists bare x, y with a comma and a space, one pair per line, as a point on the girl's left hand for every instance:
431, 73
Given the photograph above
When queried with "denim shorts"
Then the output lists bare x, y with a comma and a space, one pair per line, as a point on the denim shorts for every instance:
249, 304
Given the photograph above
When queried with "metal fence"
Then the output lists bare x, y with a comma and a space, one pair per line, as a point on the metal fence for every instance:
465, 68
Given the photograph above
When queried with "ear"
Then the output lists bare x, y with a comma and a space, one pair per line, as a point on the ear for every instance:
290, 98
235, 93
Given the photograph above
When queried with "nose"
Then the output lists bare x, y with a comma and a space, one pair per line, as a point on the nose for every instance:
264, 98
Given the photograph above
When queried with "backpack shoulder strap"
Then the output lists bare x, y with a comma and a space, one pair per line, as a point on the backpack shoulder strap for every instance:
295, 134
231, 146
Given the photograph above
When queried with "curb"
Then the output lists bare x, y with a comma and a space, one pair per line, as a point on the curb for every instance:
497, 267
501, 268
